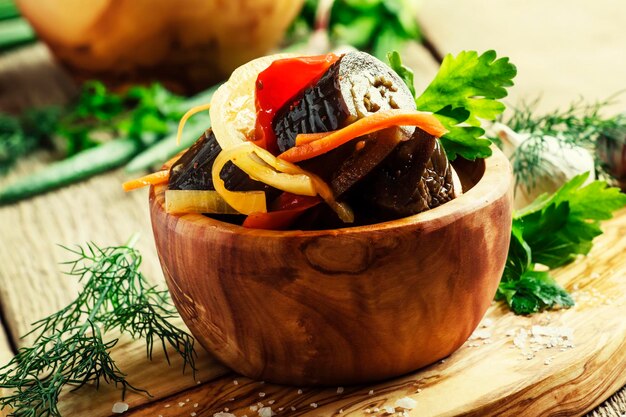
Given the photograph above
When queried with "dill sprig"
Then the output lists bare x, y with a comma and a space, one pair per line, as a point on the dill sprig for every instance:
70, 349
579, 125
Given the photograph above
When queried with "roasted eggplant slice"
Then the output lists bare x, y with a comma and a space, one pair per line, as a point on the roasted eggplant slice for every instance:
417, 176
355, 86
193, 170
369, 152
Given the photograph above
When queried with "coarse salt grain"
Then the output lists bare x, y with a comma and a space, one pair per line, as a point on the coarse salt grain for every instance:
254, 408
193, 414
371, 392
543, 337
181, 404
405, 403
235, 382
299, 391
480, 334
266, 412
486, 322
389, 409
340, 390
521, 338
281, 408
293, 408
188, 399
270, 402
119, 408
167, 405
341, 411
261, 394
223, 414
313, 405
226, 409
376, 409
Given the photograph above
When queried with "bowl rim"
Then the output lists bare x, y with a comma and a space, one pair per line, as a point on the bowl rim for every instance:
493, 185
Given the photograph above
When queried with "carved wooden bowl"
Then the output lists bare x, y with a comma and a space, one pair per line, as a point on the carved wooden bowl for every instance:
341, 306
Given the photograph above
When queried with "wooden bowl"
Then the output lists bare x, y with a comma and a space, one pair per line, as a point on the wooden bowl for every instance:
340, 306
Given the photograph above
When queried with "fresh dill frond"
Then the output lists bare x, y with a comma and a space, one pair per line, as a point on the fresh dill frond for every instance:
579, 125
70, 348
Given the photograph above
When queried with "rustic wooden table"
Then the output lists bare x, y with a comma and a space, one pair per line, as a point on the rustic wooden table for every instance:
563, 50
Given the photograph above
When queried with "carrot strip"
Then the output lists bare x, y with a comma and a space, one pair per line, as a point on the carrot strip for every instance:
304, 138
186, 117
156, 178
370, 124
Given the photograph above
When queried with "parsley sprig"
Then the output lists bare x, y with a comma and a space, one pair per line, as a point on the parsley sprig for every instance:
70, 347
465, 90
552, 232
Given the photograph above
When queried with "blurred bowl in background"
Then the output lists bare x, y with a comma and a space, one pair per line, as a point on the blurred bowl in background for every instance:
187, 45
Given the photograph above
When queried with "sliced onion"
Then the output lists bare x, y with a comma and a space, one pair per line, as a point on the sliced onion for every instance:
233, 110
244, 202
196, 201
233, 116
285, 176
258, 170
343, 210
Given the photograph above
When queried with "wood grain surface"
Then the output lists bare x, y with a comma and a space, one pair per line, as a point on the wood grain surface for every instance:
563, 49
31, 285
31, 281
485, 377
5, 349
341, 306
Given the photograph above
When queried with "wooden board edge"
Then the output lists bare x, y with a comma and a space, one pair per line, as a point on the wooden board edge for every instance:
574, 391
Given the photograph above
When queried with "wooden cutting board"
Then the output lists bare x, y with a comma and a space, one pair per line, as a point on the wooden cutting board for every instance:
485, 377
490, 375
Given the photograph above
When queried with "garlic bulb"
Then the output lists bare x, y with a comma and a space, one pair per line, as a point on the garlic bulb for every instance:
559, 164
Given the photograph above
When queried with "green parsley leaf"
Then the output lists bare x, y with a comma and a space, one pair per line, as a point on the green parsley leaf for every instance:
534, 291
560, 227
474, 84
406, 73
519, 258
553, 231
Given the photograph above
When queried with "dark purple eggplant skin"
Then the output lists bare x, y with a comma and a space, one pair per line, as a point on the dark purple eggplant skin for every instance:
417, 176
394, 173
193, 170
355, 86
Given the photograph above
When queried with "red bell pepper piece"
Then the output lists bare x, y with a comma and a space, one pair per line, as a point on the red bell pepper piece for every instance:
279, 83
